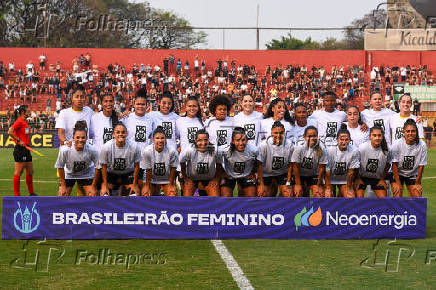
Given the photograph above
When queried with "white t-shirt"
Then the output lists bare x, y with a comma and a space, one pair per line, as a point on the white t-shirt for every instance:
342, 161
409, 157
328, 125
275, 159
251, 124
100, 130
397, 124
297, 131
68, 117
199, 165
357, 136
160, 163
77, 164
266, 126
139, 129
186, 129
238, 164
373, 160
380, 118
168, 122
220, 132
308, 159
120, 160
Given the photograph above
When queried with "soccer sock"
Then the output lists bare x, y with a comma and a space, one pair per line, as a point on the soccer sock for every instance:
16, 185
29, 182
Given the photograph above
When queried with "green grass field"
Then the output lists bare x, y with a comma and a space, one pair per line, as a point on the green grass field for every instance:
272, 264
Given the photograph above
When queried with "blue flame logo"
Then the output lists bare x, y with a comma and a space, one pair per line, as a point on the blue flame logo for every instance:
23, 220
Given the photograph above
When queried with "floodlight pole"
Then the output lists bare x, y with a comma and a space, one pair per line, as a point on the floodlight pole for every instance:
257, 28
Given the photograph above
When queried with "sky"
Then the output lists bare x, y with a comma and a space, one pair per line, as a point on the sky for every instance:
272, 13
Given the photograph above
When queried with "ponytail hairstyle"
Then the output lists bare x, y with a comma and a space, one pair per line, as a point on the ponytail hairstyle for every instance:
159, 129
384, 144
270, 113
120, 124
277, 124
360, 122
236, 131
317, 148
199, 115
168, 95
19, 111
411, 122
211, 147
114, 115
80, 126
343, 130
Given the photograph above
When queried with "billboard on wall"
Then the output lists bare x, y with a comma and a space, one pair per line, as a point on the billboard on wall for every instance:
420, 93
37, 140
400, 39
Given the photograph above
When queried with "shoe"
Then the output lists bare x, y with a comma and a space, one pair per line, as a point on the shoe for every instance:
33, 194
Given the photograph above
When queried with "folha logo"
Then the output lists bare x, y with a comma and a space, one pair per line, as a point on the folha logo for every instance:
26, 221
308, 218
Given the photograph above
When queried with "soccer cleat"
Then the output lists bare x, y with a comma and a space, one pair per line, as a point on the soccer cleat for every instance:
33, 194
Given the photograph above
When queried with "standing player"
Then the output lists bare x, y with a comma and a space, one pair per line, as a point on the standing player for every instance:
309, 166
397, 120
119, 161
277, 111
200, 168
343, 161
238, 160
301, 123
102, 124
249, 119
220, 126
375, 162
160, 162
274, 166
76, 164
354, 126
20, 132
409, 159
188, 126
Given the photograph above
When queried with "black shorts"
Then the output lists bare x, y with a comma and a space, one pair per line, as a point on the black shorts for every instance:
141, 174
408, 180
243, 182
204, 183
309, 180
370, 181
22, 154
120, 179
81, 182
280, 179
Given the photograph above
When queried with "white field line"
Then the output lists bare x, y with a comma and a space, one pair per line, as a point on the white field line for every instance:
233, 267
34, 181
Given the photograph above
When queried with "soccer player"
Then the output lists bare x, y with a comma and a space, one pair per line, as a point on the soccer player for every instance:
277, 111
188, 126
274, 166
397, 120
219, 126
343, 161
238, 160
249, 119
119, 161
160, 162
301, 123
77, 164
309, 165
354, 126
200, 167
375, 162
19, 132
409, 159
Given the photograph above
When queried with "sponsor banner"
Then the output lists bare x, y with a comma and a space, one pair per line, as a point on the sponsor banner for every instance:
420, 93
37, 140
212, 218
400, 39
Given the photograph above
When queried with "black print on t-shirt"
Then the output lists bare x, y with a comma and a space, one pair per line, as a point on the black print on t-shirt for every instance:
380, 123
340, 168
409, 162
202, 168
120, 164
277, 162
372, 165
239, 167
79, 166
168, 128
307, 163
399, 133
141, 133
221, 137
159, 169
331, 129
192, 131
107, 134
250, 131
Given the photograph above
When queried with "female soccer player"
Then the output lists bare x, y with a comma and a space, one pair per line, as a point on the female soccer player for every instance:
409, 159
238, 160
397, 120
343, 161
160, 162
301, 123
309, 166
119, 161
274, 166
354, 126
188, 126
166, 118
375, 161
77, 164
20, 132
277, 111
220, 126
200, 168
329, 120
102, 124
249, 119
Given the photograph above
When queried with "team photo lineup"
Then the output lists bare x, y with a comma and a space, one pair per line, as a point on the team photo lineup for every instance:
144, 152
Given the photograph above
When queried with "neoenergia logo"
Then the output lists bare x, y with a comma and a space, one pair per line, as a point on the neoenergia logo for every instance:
26, 221
308, 218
